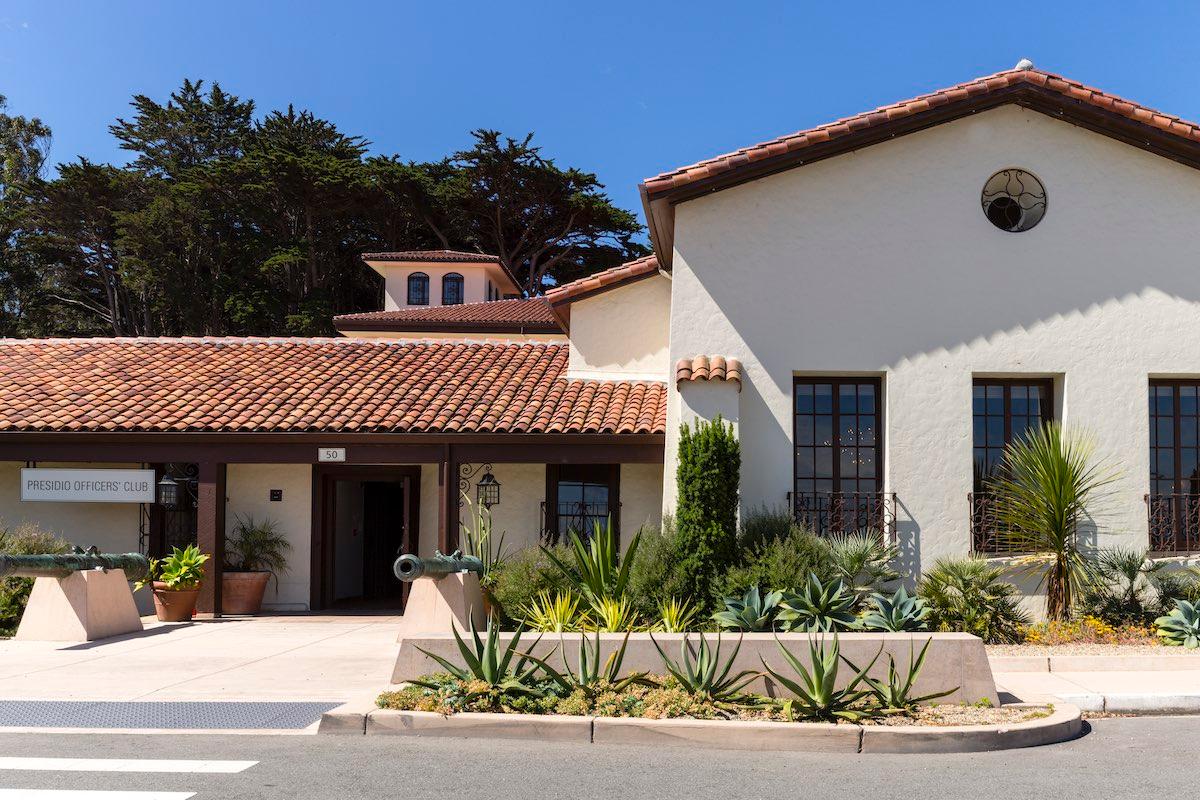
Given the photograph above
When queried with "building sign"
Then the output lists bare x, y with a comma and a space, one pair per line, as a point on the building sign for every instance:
87, 485
325, 454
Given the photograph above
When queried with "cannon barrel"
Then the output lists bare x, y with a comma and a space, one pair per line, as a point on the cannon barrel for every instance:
409, 567
61, 565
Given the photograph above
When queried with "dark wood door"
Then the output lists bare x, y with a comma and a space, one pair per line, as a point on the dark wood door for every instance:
383, 538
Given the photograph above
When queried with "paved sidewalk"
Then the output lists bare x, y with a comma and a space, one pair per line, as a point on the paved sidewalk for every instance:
317, 657
1117, 691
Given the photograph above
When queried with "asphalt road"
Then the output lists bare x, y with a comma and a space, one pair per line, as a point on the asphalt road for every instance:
1119, 758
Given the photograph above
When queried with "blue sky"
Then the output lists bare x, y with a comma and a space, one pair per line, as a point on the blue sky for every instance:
624, 89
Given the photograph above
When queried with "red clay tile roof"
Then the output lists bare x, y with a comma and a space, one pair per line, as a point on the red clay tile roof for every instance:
708, 368
533, 315
342, 385
611, 278
1124, 119
449, 256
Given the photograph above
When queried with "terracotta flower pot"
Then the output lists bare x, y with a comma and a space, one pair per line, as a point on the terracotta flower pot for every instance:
242, 592
174, 605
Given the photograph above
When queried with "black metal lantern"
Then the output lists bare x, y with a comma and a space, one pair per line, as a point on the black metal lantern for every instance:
168, 492
487, 491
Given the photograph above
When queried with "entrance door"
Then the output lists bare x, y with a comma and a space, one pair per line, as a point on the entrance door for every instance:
364, 517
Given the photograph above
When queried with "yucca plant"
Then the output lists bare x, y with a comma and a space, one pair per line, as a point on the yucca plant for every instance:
675, 616
556, 613
816, 694
862, 561
752, 611
818, 607
598, 570
481, 542
613, 615
968, 595
490, 663
895, 693
1180, 628
899, 612
1049, 481
705, 674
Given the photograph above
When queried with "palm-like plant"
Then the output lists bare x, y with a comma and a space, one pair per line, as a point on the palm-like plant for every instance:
895, 693
967, 594
257, 546
753, 611
1048, 483
490, 663
816, 694
818, 607
704, 674
863, 562
899, 612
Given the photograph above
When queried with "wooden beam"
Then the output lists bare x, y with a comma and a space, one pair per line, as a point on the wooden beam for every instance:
210, 533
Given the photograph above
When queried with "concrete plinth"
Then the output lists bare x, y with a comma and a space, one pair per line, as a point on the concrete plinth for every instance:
436, 604
82, 607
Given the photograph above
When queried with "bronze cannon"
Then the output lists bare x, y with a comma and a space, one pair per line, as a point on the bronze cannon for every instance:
409, 567
61, 565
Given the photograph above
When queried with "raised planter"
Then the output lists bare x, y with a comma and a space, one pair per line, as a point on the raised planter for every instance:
1064, 723
953, 659
242, 592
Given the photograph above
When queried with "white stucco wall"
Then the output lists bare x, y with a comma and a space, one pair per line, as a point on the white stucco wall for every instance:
641, 497
113, 527
622, 333
248, 488
880, 262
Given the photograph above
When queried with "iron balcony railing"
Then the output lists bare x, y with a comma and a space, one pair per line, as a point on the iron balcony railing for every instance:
1174, 522
559, 519
986, 533
828, 513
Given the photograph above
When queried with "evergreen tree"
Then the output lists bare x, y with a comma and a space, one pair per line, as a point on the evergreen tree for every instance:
707, 479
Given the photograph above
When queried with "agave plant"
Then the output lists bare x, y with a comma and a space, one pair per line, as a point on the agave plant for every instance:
818, 607
751, 612
1180, 628
490, 663
590, 676
703, 673
556, 613
598, 570
900, 612
613, 614
895, 693
675, 616
816, 694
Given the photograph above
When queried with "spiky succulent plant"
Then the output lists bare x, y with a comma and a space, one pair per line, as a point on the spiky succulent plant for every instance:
815, 696
753, 611
818, 607
490, 662
899, 612
1180, 628
703, 673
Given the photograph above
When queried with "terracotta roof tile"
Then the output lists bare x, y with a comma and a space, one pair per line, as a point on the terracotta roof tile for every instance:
729, 162
533, 315
244, 385
601, 281
432, 256
708, 368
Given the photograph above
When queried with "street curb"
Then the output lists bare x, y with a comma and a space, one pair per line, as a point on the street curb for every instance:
1137, 704
1068, 663
1064, 722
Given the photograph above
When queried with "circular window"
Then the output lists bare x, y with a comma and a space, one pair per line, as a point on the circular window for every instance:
1014, 200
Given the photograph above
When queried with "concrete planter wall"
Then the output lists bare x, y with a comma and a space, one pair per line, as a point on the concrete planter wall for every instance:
954, 659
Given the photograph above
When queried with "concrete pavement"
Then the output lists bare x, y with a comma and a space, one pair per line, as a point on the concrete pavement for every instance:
1120, 758
1117, 691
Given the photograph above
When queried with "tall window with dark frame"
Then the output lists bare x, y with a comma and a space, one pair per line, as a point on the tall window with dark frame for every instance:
578, 498
1002, 411
418, 289
452, 289
838, 439
1173, 504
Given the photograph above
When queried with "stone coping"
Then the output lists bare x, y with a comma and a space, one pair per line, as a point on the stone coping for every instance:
1065, 722
1095, 663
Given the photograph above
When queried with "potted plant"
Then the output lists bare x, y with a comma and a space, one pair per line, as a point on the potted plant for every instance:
175, 582
255, 553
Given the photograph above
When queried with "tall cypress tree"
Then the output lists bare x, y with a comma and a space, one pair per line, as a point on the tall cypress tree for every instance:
707, 479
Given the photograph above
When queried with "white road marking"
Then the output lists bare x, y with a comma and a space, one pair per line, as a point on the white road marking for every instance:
122, 765
88, 794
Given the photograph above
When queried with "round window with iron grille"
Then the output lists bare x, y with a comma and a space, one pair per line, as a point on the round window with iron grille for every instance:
1014, 200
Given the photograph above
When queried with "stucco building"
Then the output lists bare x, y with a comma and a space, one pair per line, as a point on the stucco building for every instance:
878, 304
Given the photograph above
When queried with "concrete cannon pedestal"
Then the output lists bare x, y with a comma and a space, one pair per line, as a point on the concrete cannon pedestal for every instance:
81, 607
434, 604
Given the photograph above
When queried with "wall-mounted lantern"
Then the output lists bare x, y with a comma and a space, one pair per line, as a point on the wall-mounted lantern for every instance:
487, 491
168, 492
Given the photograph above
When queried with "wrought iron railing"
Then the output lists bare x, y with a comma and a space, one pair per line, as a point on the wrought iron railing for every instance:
559, 519
848, 512
986, 533
1174, 522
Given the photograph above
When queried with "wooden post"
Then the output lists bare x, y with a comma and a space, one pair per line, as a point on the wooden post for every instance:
448, 501
210, 534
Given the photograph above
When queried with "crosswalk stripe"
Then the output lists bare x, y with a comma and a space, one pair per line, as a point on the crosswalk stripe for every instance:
89, 794
123, 765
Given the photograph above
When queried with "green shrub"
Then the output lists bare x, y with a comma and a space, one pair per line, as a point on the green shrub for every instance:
1127, 588
764, 525
522, 577
776, 563
24, 540
657, 574
706, 516
966, 594
863, 562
